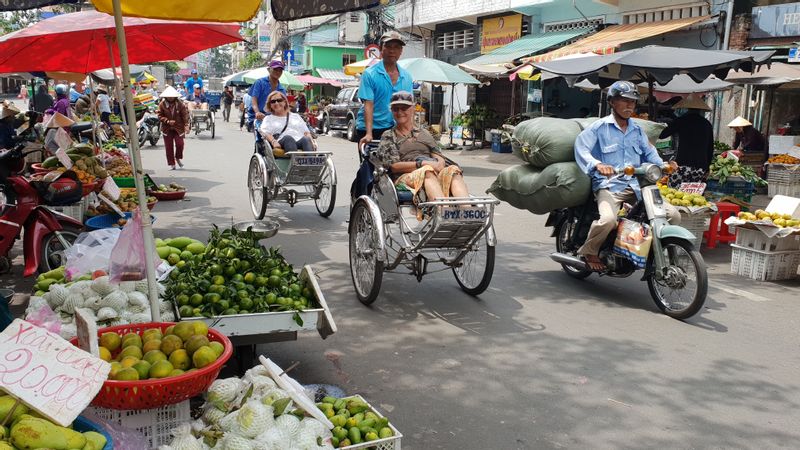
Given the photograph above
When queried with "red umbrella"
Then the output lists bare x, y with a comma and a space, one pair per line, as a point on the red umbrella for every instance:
78, 42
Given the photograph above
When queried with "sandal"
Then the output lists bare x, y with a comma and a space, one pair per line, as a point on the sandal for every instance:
594, 263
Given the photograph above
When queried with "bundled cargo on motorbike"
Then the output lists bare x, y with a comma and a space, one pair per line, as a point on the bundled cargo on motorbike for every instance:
559, 185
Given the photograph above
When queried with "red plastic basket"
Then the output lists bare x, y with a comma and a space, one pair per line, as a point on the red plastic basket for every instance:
166, 196
147, 394
37, 168
88, 188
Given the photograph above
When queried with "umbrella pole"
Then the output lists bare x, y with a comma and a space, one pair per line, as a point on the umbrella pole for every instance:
93, 108
651, 106
117, 83
136, 160
450, 124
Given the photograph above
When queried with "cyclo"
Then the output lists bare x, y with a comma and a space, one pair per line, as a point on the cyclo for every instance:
202, 119
386, 234
294, 177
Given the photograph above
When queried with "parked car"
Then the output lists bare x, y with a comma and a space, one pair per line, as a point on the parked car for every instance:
342, 113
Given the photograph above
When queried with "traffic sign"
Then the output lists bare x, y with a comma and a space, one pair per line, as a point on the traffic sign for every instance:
372, 51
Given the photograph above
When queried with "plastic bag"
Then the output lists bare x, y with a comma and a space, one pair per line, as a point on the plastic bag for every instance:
633, 241
128, 257
44, 317
91, 251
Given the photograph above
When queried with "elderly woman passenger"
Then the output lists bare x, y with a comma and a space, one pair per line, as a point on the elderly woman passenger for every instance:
283, 128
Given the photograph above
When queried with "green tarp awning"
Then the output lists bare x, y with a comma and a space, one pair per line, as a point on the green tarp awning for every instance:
525, 46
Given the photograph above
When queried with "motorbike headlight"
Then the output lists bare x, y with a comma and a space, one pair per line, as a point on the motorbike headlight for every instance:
3, 201
653, 173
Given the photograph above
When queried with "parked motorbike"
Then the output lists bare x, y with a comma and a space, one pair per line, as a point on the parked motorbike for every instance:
673, 268
45, 233
149, 128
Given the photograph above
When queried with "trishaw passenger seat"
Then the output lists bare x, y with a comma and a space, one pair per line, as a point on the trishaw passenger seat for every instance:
404, 196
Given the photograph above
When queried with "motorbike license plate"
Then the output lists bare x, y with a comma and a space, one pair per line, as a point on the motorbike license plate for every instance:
309, 160
465, 214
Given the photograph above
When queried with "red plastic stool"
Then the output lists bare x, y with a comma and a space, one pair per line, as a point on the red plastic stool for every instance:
717, 230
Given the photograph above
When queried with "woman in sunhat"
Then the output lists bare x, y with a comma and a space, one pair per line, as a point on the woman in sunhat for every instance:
174, 117
747, 137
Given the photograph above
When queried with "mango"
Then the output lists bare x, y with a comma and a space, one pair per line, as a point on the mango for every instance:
355, 435
163, 252
96, 440
6, 403
179, 242
196, 248
31, 433
5, 446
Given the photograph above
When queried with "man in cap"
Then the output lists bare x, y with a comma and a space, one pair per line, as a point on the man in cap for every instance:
607, 145
197, 99
194, 79
747, 137
694, 134
378, 83
261, 90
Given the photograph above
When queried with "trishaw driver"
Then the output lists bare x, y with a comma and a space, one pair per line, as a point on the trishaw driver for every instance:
610, 143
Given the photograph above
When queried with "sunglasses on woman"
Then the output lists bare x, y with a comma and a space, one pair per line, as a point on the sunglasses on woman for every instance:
400, 108
277, 100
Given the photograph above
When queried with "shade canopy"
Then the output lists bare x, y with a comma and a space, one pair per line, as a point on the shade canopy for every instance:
781, 75
19, 5
78, 42
654, 63
196, 10
235, 79
522, 47
310, 79
360, 66
292, 9
682, 84
434, 71
288, 80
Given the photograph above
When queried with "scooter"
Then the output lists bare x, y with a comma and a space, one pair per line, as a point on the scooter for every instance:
149, 128
46, 233
673, 268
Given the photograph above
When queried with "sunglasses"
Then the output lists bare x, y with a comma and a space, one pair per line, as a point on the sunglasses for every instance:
397, 108
277, 100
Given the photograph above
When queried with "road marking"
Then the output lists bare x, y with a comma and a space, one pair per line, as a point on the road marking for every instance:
739, 292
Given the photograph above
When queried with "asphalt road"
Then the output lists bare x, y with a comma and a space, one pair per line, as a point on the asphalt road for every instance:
538, 361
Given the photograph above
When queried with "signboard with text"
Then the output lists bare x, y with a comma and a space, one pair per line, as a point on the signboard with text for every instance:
47, 373
500, 31
776, 21
264, 39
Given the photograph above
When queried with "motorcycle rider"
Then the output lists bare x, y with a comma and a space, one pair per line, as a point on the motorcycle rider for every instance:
611, 143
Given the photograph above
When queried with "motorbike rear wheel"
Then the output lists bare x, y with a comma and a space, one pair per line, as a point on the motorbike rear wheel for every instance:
563, 233
681, 292
52, 249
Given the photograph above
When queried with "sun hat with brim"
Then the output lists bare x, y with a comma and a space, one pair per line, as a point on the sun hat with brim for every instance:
170, 92
402, 98
59, 121
740, 122
392, 36
9, 111
692, 103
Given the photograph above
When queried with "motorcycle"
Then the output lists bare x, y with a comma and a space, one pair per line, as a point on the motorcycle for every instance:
149, 128
46, 233
675, 272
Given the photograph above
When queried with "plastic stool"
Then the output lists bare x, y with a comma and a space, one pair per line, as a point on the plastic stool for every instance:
717, 230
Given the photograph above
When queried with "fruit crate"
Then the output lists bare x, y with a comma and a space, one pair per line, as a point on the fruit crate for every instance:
75, 210
779, 188
756, 240
697, 224
154, 424
783, 173
390, 443
764, 265
734, 186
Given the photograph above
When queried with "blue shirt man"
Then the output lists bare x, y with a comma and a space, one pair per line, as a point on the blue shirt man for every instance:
195, 79
378, 83
262, 88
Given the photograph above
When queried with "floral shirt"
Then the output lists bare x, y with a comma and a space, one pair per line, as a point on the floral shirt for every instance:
396, 148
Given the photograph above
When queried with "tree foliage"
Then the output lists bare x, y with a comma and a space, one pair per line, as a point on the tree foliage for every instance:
251, 61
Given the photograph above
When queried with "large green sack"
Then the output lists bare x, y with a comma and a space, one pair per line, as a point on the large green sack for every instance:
545, 140
560, 185
651, 129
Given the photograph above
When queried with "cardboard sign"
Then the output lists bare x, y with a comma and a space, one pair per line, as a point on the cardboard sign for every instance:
794, 151
693, 188
63, 158
87, 331
63, 139
47, 373
110, 187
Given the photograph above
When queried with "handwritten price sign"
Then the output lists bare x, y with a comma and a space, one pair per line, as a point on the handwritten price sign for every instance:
47, 373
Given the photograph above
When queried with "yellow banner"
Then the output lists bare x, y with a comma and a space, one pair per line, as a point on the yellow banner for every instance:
500, 31
198, 10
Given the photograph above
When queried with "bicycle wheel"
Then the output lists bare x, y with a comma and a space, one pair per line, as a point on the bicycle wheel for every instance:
474, 272
326, 200
366, 269
257, 185
682, 289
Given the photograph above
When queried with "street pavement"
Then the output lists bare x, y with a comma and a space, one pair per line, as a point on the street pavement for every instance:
540, 360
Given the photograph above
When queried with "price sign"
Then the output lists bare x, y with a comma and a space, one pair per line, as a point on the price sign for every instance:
86, 331
47, 373
62, 139
693, 188
63, 158
794, 151
111, 189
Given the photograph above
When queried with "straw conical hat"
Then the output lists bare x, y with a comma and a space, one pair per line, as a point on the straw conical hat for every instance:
170, 92
9, 111
59, 121
691, 102
740, 122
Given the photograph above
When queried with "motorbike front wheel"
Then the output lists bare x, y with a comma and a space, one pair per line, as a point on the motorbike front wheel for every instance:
53, 249
681, 290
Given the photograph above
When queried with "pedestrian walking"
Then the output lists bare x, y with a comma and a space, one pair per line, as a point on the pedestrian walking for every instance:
227, 102
243, 107
103, 103
174, 117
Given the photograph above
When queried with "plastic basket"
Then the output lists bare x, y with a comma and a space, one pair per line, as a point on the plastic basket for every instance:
82, 425
128, 182
390, 443
88, 188
783, 173
155, 424
697, 224
756, 240
76, 210
735, 186
762, 265
780, 188
109, 221
146, 394
167, 196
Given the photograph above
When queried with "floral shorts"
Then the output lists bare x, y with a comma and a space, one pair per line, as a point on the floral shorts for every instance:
414, 181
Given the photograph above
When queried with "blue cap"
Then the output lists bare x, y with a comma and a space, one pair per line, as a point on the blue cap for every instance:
194, 71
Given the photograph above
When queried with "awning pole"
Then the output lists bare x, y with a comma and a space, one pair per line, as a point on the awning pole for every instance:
138, 173
450, 124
